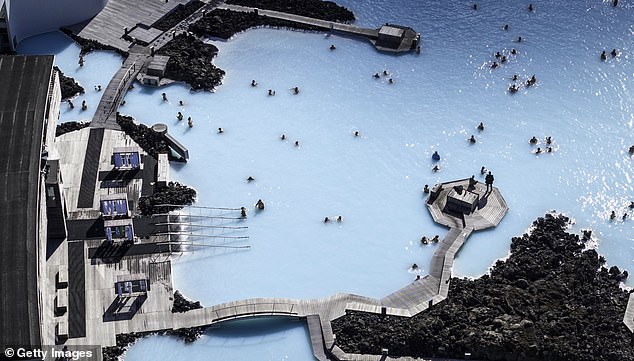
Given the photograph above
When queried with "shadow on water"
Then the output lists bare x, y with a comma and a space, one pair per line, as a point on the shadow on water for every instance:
258, 327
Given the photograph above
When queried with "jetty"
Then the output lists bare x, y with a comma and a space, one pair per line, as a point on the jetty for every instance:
388, 38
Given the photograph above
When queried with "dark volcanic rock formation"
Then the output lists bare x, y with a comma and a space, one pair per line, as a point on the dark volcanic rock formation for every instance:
69, 86
550, 300
224, 24
179, 14
174, 194
182, 304
145, 137
63, 128
325, 10
190, 62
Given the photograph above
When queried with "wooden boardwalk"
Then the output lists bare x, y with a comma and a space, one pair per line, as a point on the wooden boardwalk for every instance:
324, 24
628, 319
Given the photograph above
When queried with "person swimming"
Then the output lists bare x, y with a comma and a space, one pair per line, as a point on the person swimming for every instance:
254, 83
356, 133
494, 65
414, 266
164, 97
297, 143
259, 205
391, 81
503, 60
515, 77
513, 88
498, 55
435, 239
513, 51
472, 140
295, 90
435, 157
549, 150
531, 8
376, 75
435, 168
180, 103
332, 47
326, 219
271, 92
533, 140
220, 130
84, 106
613, 53
250, 179
426, 189
483, 170
283, 137
339, 218
424, 240
519, 39
538, 151
506, 27
549, 140
179, 116
243, 212
480, 127
603, 56
612, 215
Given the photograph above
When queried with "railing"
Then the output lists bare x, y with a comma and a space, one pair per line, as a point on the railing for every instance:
233, 311
121, 89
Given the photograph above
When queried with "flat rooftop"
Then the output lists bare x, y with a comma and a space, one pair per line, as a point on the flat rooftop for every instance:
24, 90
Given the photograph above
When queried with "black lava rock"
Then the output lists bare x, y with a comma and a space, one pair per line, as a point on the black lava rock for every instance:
325, 10
69, 86
182, 304
180, 13
552, 299
174, 194
224, 24
145, 137
63, 128
190, 62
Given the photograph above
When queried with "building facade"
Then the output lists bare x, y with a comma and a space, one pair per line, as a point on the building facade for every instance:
20, 19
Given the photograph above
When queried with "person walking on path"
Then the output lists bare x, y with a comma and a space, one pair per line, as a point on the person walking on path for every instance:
489, 181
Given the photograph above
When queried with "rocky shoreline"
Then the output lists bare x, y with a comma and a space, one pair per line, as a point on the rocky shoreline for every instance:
191, 62
69, 86
325, 10
145, 137
552, 299
182, 304
174, 193
67, 127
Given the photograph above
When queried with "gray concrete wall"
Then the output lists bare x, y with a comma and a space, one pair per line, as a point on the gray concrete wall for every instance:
31, 17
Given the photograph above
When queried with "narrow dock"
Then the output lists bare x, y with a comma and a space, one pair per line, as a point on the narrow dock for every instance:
389, 38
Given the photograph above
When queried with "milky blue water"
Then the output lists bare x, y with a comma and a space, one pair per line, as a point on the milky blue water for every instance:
374, 181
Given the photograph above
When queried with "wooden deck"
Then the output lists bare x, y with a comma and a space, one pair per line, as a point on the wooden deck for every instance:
628, 319
107, 26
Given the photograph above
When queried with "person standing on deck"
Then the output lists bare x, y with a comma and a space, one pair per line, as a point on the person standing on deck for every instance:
489, 181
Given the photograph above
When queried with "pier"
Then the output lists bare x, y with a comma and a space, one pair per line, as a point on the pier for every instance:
388, 38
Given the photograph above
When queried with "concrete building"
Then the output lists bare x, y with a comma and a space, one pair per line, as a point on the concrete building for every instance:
20, 19
30, 97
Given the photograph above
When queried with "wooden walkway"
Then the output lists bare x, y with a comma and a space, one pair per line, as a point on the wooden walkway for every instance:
324, 24
628, 319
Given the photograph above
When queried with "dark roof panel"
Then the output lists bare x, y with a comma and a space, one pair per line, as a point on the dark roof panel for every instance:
24, 87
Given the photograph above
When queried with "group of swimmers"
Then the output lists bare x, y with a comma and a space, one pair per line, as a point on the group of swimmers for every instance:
513, 88
338, 219
271, 92
425, 240
385, 73
548, 141
624, 216
283, 137
502, 58
604, 56
84, 106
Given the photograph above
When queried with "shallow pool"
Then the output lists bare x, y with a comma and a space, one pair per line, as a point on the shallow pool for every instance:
374, 181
